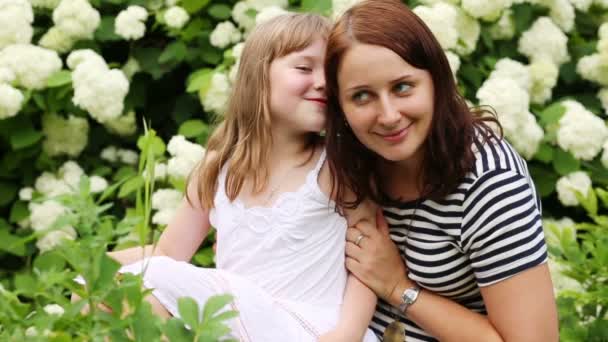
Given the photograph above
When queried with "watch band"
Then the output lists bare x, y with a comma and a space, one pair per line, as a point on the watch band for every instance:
409, 297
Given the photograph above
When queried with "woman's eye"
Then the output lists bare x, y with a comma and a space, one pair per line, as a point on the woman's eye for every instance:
360, 96
402, 87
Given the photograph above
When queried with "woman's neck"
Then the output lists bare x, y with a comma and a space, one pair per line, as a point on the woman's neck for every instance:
403, 179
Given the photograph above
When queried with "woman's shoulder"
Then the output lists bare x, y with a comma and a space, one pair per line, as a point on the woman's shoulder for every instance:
494, 154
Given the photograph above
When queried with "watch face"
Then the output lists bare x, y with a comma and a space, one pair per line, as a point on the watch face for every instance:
409, 295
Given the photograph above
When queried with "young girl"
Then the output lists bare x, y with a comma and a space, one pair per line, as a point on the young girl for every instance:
263, 185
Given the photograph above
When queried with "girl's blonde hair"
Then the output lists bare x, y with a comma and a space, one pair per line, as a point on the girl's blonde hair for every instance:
244, 136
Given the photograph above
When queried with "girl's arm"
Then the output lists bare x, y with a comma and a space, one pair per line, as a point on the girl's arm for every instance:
181, 238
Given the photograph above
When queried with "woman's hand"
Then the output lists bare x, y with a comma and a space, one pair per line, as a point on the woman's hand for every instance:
373, 257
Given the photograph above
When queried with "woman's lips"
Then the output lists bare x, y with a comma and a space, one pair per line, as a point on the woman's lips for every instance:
396, 136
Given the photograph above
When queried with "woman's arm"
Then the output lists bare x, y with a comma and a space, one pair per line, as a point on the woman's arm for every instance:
181, 238
520, 308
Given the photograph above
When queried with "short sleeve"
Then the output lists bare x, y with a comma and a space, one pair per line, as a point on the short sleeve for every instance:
501, 228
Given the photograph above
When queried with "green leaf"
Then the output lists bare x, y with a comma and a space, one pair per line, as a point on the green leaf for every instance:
189, 311
544, 179
156, 144
107, 270
130, 186
192, 128
193, 6
11, 243
177, 332
148, 60
24, 136
19, 212
552, 114
105, 31
588, 202
544, 153
50, 260
200, 79
564, 162
204, 257
215, 304
322, 7
220, 11
523, 16
8, 191
60, 78
174, 52
603, 195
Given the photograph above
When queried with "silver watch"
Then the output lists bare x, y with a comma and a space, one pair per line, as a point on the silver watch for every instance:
409, 297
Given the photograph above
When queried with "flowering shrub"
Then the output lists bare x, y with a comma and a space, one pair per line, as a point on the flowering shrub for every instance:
81, 79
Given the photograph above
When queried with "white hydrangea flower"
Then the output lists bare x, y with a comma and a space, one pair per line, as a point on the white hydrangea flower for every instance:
128, 157
269, 13
593, 68
70, 172
49, 185
48, 4
97, 89
16, 17
185, 156
259, 5
508, 99
110, 154
488, 10
338, 7
441, 19
160, 172
509, 68
11, 100
562, 13
454, 61
604, 158
544, 40
240, 14
544, 76
581, 132
130, 23
468, 33
528, 138
64, 136
554, 229
603, 96
504, 28
25, 194
98, 184
166, 202
54, 309
176, 17
216, 98
43, 215
582, 5
76, 18
237, 50
6, 75
55, 39
224, 34
31, 332
560, 281
32, 65
568, 185
54, 238
123, 125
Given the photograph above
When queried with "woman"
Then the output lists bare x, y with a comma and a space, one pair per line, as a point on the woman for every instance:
463, 256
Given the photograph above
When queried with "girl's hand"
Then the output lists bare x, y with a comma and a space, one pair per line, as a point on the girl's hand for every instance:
375, 260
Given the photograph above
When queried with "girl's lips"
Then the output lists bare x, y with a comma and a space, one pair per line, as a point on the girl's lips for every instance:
396, 136
318, 100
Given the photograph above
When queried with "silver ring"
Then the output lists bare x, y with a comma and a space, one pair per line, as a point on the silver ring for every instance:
358, 239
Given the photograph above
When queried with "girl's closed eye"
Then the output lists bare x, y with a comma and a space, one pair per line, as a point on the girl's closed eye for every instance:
303, 68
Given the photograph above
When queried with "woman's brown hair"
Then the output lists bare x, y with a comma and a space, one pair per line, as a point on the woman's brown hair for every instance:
447, 148
244, 136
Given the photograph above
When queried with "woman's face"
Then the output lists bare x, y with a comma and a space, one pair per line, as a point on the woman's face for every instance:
387, 102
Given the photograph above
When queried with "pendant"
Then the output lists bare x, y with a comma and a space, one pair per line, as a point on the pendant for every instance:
395, 332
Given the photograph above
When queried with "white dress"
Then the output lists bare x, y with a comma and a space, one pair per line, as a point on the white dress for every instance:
283, 264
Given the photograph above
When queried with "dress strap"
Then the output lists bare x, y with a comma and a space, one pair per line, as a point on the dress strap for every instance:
320, 162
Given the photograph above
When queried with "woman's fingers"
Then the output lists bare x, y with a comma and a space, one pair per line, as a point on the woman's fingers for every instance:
381, 222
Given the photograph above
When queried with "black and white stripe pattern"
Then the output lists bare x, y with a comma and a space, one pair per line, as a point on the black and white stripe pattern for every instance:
487, 230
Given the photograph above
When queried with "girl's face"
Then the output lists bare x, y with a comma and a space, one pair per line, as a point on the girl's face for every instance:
297, 89
387, 102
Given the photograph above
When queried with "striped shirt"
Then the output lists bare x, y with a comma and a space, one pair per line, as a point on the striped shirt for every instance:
487, 230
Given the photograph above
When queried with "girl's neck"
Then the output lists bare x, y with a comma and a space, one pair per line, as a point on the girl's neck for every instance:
287, 147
